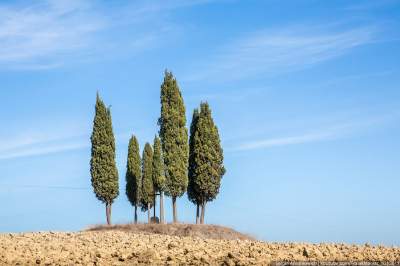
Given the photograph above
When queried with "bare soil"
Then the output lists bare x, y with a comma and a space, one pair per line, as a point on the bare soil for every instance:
173, 245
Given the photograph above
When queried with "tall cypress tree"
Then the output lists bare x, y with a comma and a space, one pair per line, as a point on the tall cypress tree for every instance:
102, 164
147, 180
158, 176
208, 159
174, 138
133, 175
193, 195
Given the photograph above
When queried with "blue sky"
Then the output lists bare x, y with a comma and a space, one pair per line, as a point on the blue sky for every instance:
305, 94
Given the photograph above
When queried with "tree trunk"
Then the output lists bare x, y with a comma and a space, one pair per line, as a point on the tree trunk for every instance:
198, 214
154, 206
161, 207
148, 213
175, 215
203, 210
108, 213
135, 214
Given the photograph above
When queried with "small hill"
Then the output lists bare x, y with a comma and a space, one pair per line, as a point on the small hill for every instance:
183, 230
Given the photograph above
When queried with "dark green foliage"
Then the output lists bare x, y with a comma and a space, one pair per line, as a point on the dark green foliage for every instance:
147, 177
207, 166
174, 137
158, 166
191, 190
102, 165
133, 172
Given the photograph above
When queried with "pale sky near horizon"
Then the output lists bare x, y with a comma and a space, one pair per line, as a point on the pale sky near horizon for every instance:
305, 95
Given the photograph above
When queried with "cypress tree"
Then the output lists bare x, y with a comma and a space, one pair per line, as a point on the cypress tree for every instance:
147, 180
158, 176
191, 190
174, 138
208, 159
102, 164
133, 175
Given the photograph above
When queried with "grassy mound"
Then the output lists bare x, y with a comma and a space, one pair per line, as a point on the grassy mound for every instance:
189, 230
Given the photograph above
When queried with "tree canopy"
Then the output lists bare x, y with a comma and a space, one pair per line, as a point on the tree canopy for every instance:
191, 190
147, 178
207, 157
133, 172
174, 136
158, 166
174, 139
102, 165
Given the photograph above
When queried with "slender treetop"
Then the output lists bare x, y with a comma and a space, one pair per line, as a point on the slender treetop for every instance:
102, 165
208, 156
133, 172
147, 177
174, 137
158, 166
191, 190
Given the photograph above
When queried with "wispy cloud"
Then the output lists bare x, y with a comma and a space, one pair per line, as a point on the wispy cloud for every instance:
41, 138
38, 35
283, 141
333, 132
42, 150
50, 33
272, 51
32, 144
7, 186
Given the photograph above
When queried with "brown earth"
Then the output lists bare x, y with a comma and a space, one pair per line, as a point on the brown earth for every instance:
128, 245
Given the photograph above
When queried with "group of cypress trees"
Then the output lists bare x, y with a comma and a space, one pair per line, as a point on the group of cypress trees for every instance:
145, 178
173, 165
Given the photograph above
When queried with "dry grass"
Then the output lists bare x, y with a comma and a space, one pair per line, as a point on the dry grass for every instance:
189, 230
